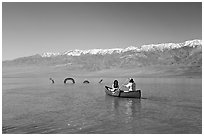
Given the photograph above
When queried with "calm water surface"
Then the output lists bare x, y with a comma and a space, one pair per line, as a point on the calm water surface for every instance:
33, 105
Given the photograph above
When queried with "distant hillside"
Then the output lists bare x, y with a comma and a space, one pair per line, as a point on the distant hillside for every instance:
187, 54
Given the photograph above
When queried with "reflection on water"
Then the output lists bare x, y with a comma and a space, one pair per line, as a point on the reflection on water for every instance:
128, 108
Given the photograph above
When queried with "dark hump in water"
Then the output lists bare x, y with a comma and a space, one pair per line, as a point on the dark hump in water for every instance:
52, 80
100, 81
86, 81
69, 78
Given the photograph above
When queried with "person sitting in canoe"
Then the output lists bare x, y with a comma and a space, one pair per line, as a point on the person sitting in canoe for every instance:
115, 86
131, 85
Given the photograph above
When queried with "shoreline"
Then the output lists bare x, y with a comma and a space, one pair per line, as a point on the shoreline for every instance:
138, 72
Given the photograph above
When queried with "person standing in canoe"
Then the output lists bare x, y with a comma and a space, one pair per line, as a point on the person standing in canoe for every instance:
131, 85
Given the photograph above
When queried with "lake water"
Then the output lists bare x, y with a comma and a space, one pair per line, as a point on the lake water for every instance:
34, 105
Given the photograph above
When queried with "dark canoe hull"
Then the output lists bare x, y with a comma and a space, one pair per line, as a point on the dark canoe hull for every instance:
120, 93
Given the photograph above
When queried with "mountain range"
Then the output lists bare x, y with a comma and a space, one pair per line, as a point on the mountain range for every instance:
151, 47
186, 54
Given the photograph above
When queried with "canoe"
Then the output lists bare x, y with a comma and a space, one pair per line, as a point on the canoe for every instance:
121, 93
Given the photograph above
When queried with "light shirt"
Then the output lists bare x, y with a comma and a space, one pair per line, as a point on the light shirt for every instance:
114, 89
131, 86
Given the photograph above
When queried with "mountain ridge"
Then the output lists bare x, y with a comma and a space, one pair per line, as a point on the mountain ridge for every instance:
184, 57
148, 47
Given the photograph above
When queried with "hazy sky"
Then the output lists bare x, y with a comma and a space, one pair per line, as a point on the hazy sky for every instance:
31, 28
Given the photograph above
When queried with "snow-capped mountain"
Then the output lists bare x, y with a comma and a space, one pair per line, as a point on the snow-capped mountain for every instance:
92, 51
150, 47
49, 54
186, 55
163, 46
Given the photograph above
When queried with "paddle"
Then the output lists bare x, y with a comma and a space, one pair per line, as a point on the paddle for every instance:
124, 83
